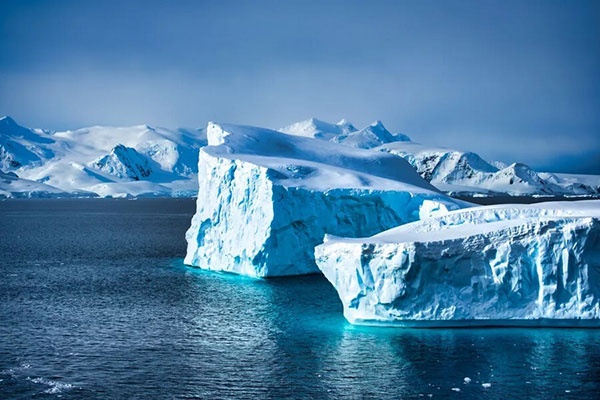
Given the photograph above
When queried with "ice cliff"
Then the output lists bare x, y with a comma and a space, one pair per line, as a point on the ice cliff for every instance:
266, 199
496, 265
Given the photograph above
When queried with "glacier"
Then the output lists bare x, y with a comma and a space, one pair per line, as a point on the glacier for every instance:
266, 199
494, 265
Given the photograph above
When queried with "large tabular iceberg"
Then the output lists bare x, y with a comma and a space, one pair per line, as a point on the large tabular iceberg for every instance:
498, 265
266, 199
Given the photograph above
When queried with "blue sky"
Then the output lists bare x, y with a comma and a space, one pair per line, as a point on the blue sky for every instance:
512, 80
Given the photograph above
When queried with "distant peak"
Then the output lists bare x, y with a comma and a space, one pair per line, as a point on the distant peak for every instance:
319, 122
378, 124
145, 127
347, 125
517, 165
308, 122
6, 120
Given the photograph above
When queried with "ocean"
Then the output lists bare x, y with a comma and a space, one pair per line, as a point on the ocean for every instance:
95, 303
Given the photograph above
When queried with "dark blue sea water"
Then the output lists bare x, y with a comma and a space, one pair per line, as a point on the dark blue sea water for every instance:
96, 304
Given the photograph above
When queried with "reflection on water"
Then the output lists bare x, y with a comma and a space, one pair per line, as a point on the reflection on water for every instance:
81, 318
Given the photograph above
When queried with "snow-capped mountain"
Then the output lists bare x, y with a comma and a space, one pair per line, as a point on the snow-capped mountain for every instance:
149, 161
319, 129
453, 171
344, 132
124, 163
98, 161
459, 172
20, 146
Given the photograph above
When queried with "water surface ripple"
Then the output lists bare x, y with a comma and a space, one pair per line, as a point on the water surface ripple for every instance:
96, 304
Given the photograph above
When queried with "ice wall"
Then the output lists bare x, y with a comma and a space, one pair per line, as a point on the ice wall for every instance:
503, 265
266, 199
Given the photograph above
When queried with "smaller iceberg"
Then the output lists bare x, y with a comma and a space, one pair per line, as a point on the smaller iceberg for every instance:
483, 266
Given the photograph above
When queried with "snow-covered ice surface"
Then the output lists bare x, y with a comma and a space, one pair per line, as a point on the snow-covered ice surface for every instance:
495, 265
266, 198
98, 161
13, 186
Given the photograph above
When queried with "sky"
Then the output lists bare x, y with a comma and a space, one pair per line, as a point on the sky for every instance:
510, 80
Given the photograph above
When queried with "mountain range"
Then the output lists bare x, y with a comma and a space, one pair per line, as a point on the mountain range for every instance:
452, 171
98, 161
145, 161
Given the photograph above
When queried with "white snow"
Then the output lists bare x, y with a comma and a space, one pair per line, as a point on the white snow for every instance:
124, 163
91, 161
454, 172
99, 161
466, 173
13, 186
345, 133
371, 136
266, 198
496, 265
315, 128
581, 184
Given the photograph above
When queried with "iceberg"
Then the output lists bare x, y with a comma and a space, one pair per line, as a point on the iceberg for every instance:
495, 265
266, 199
